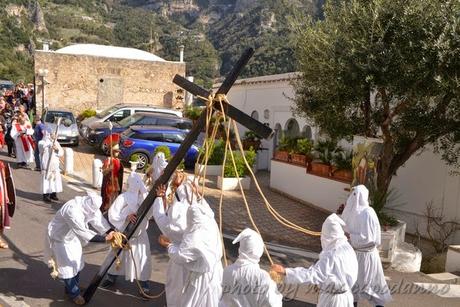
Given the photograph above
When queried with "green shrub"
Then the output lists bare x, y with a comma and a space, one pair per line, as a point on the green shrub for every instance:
229, 170
304, 146
86, 114
326, 150
216, 156
134, 158
342, 160
192, 113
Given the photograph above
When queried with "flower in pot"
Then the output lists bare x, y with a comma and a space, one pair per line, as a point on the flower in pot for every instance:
342, 166
325, 151
251, 139
284, 147
302, 151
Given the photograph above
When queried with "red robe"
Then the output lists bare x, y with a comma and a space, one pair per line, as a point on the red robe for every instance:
4, 214
112, 182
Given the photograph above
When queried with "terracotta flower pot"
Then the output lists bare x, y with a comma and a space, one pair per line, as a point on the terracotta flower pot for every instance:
299, 159
344, 175
320, 169
282, 155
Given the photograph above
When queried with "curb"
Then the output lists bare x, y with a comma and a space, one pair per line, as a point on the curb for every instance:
12, 301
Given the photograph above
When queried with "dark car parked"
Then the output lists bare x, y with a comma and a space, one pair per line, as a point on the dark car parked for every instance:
97, 135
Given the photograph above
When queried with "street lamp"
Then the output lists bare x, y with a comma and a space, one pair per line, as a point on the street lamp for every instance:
42, 73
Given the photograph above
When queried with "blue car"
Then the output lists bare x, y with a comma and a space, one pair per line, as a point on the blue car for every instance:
142, 141
100, 131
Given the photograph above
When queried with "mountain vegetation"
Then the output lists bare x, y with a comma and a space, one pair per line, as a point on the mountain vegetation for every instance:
214, 32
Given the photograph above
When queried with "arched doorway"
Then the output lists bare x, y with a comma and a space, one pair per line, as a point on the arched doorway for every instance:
306, 132
255, 115
292, 128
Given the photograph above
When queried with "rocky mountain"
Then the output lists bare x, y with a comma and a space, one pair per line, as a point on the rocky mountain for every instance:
214, 32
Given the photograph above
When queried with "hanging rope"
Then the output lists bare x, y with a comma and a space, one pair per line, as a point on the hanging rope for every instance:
119, 241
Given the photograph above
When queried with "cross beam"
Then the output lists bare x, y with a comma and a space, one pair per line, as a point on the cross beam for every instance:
191, 137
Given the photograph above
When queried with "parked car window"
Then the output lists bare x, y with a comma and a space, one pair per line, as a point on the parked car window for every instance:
166, 122
52, 117
184, 125
107, 111
148, 136
130, 120
118, 116
173, 137
147, 120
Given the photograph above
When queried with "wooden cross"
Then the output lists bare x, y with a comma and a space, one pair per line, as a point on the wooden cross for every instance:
241, 117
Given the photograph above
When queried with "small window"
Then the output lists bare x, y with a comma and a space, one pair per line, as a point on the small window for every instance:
184, 125
118, 116
158, 137
173, 138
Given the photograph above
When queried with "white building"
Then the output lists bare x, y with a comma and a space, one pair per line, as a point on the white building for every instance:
424, 178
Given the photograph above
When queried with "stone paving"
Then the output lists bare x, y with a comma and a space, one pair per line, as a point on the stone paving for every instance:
235, 216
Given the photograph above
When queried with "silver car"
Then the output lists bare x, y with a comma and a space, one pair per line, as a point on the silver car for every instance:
68, 129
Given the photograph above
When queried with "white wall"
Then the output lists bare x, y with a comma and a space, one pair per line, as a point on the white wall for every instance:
321, 192
426, 178
250, 97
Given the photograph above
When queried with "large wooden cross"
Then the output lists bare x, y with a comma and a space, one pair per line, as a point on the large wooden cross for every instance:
241, 117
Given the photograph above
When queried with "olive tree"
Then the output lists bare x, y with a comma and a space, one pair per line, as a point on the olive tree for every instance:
387, 69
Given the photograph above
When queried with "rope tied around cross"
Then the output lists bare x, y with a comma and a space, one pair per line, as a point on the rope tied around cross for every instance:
208, 145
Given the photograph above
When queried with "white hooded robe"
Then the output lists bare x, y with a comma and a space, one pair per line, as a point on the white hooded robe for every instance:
53, 182
200, 253
336, 270
173, 224
68, 232
244, 283
364, 228
125, 204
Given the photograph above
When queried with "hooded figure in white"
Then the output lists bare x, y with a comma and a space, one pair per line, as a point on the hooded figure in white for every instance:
51, 182
200, 254
173, 223
364, 228
68, 231
127, 204
244, 283
336, 270
156, 169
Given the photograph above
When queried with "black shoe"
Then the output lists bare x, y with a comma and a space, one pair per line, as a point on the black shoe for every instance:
46, 198
53, 196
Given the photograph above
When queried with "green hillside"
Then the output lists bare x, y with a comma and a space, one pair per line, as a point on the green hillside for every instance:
214, 32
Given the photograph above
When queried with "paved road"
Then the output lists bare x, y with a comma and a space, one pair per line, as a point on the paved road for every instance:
24, 278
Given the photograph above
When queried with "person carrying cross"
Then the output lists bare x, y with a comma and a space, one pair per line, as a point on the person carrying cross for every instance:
50, 151
67, 233
336, 270
199, 253
170, 214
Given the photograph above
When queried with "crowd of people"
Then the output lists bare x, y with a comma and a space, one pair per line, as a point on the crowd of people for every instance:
348, 269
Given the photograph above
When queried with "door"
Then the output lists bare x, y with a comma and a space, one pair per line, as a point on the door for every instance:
110, 92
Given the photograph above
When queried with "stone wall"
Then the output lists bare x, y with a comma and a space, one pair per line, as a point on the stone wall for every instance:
79, 82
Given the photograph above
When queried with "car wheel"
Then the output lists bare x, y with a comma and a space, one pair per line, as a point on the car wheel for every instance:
105, 149
142, 158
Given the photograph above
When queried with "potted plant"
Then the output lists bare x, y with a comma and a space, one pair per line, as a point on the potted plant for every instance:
251, 139
301, 152
215, 159
325, 151
230, 179
342, 169
282, 152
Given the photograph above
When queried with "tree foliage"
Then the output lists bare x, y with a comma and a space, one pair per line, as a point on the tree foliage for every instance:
384, 68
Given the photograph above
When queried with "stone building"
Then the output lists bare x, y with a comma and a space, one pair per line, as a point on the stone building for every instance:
86, 76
